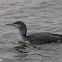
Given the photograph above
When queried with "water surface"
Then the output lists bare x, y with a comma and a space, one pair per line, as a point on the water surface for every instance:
39, 15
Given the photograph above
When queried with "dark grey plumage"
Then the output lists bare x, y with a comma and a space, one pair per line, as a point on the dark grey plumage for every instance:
43, 37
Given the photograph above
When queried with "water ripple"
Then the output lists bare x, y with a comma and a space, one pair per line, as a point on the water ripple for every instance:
39, 15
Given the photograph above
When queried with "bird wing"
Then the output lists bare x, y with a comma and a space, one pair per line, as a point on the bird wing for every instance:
43, 38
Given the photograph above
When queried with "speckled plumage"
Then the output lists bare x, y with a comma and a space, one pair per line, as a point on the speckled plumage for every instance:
42, 37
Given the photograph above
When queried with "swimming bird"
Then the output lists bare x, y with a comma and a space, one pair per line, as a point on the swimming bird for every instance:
39, 38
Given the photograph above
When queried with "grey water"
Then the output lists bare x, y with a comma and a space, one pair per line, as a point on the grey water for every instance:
39, 16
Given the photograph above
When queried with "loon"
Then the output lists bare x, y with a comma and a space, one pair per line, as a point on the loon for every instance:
39, 38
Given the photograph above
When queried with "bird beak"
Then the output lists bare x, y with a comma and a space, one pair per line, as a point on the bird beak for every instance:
11, 24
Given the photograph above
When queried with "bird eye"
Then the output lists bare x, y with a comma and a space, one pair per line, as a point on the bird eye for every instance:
16, 23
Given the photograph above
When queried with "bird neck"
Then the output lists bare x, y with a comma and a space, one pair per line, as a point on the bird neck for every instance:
23, 32
22, 37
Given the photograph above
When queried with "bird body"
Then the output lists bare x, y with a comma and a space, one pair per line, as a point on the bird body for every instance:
42, 37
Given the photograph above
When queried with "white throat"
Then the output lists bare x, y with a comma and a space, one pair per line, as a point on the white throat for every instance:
21, 39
